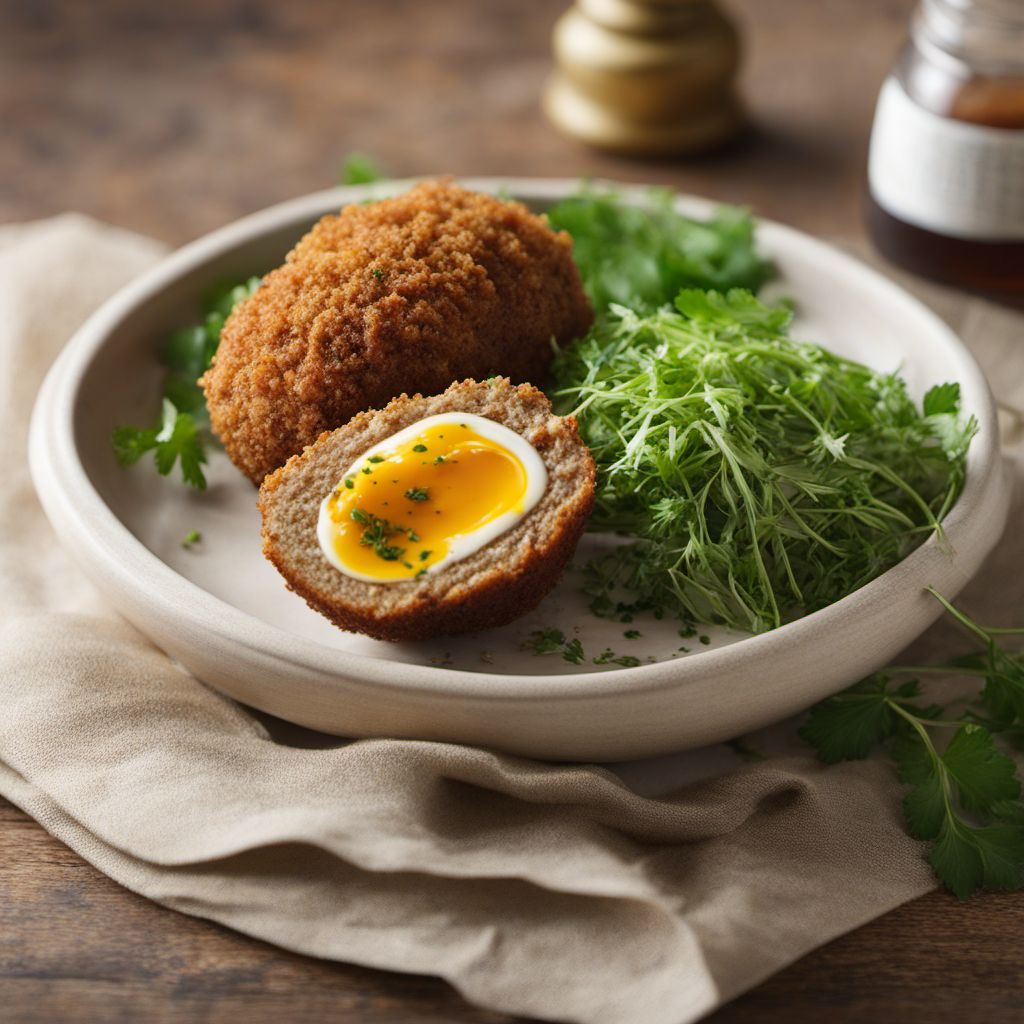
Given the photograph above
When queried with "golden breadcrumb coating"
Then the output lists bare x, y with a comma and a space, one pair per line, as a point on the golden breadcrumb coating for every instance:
400, 295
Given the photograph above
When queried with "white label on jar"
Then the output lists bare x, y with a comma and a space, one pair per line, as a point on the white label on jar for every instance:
953, 178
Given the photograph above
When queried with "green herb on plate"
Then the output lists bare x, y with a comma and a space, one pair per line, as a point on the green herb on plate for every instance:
554, 641
191, 538
182, 436
176, 440
641, 256
545, 641
759, 477
609, 657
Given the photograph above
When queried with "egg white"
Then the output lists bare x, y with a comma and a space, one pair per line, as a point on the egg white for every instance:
459, 545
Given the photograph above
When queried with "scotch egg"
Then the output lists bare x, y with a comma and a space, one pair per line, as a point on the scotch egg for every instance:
431, 494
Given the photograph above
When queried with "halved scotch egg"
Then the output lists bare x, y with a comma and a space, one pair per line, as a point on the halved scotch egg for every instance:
433, 515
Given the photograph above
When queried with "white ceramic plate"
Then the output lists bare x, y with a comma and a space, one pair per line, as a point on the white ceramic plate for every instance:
225, 614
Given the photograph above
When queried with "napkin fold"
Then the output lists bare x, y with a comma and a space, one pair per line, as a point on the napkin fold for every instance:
566, 893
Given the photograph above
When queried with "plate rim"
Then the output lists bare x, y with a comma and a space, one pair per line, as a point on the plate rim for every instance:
117, 552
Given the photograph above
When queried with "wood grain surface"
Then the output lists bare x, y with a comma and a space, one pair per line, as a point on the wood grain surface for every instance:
175, 118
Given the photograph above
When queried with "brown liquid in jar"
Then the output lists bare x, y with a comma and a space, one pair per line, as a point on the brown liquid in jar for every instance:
997, 265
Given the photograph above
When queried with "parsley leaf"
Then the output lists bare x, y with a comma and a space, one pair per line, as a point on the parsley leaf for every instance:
131, 443
967, 859
850, 725
984, 776
640, 256
176, 441
181, 438
943, 398
964, 799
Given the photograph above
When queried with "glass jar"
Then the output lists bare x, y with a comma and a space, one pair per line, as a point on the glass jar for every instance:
946, 167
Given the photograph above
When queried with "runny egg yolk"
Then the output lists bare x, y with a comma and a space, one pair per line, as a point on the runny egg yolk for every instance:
429, 495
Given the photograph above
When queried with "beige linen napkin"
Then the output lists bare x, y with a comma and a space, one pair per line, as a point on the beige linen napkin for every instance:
552, 891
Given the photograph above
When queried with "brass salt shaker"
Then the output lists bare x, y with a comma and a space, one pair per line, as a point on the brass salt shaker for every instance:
645, 77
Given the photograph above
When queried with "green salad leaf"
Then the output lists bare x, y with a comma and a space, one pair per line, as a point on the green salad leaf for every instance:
759, 477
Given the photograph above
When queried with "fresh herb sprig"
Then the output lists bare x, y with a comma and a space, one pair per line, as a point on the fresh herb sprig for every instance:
359, 169
640, 256
964, 796
762, 477
182, 436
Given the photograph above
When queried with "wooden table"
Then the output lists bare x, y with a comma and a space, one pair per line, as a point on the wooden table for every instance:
175, 118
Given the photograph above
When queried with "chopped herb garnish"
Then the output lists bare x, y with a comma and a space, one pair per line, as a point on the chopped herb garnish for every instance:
609, 657
632, 634
704, 639
419, 447
417, 493
573, 652
349, 482
367, 470
440, 458
377, 273
424, 555
376, 534
375, 458
545, 641
192, 537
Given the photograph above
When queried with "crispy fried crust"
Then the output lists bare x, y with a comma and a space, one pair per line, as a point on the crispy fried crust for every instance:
400, 295
491, 587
